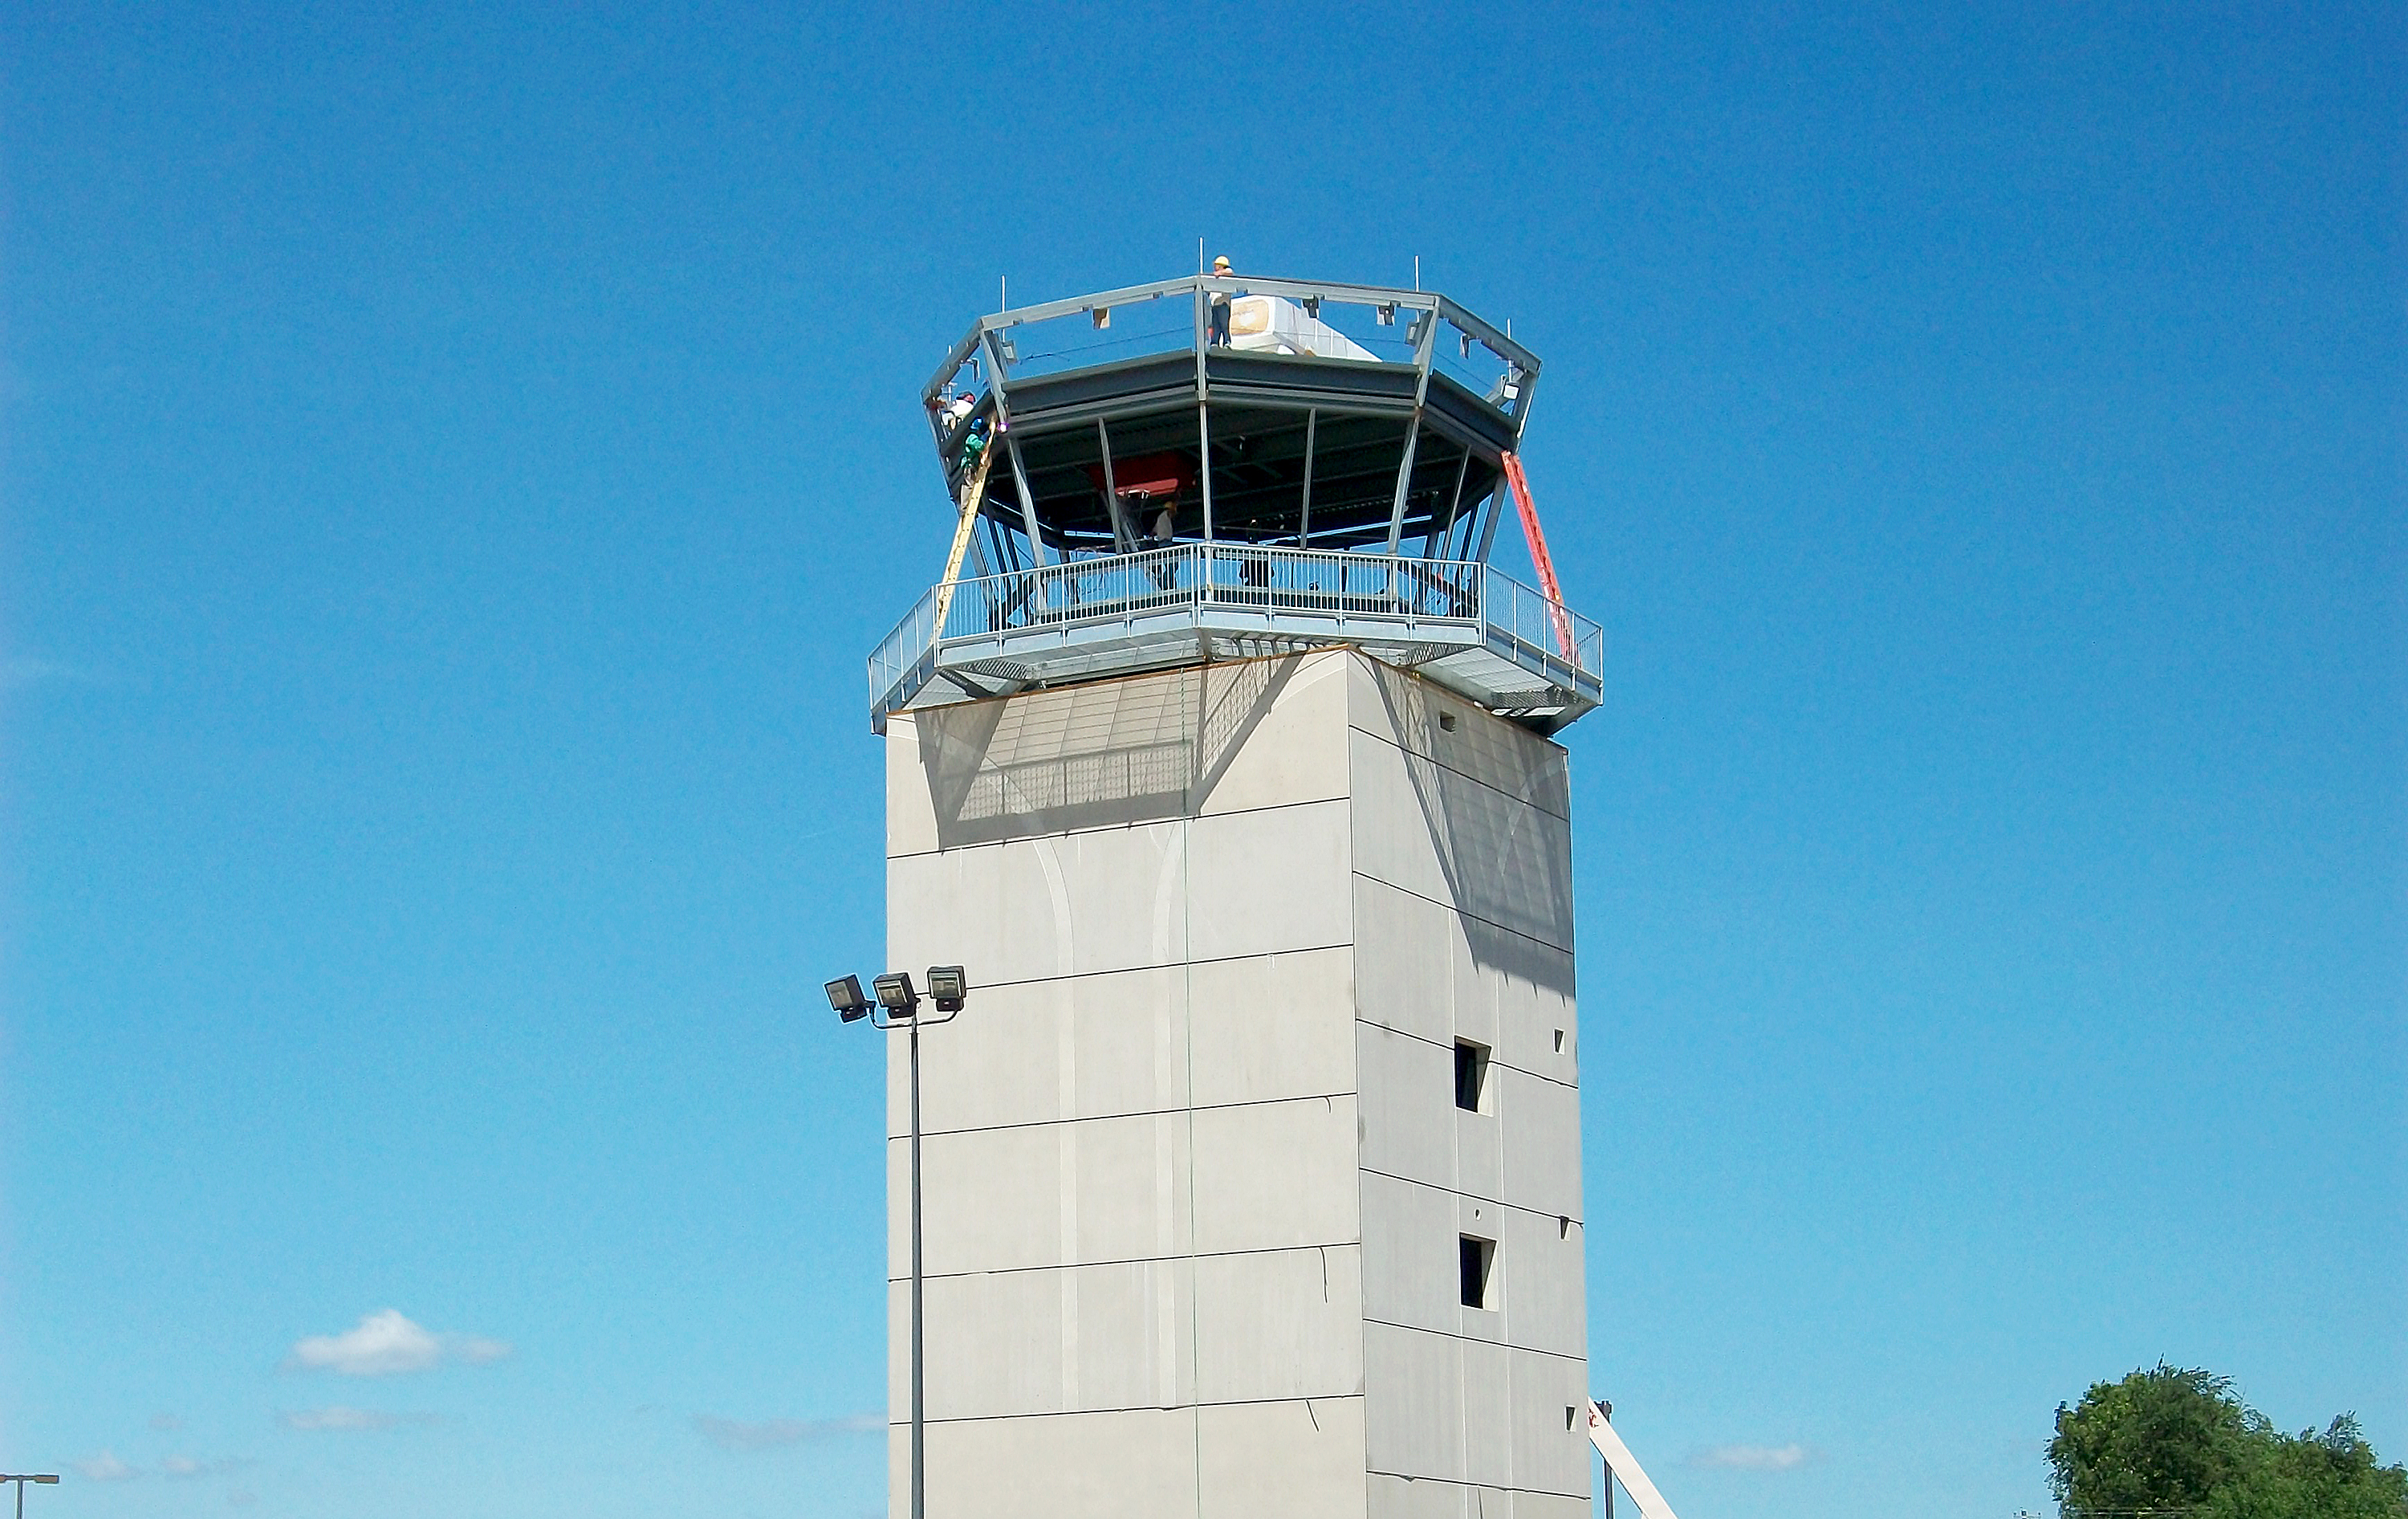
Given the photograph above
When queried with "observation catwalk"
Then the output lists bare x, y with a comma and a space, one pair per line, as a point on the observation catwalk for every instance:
1252, 1180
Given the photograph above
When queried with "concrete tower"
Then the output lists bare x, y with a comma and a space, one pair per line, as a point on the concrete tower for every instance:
1252, 1180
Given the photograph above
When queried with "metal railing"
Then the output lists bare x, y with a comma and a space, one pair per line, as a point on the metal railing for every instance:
1311, 591
1549, 629
1401, 327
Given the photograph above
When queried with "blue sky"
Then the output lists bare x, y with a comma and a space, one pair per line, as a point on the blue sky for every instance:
456, 459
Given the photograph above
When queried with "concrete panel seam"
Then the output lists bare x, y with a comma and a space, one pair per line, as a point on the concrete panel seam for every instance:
1154, 1260
1468, 1486
926, 1134
1200, 960
1496, 1060
1474, 1196
1460, 912
1140, 1408
1059, 835
1434, 760
1475, 1339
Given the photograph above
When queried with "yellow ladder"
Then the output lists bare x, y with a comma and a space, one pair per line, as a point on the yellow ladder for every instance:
973, 491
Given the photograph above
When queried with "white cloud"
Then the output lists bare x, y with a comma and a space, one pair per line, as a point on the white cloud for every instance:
185, 1467
386, 1343
340, 1417
105, 1467
471, 1350
737, 1435
1753, 1457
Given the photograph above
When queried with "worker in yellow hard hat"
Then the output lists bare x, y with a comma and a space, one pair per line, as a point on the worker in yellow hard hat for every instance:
1219, 335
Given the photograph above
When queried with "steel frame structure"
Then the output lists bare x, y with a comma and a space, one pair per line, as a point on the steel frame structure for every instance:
1318, 495
1231, 409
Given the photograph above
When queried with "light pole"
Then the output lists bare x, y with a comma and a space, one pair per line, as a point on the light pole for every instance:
897, 1006
46, 1479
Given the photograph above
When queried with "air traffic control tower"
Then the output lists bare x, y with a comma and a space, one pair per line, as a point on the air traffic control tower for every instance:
1220, 758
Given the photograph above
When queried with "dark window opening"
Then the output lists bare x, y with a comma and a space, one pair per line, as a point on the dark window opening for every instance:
1478, 1258
1470, 1075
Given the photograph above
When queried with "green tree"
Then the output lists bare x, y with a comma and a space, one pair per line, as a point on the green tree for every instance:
2163, 1438
2331, 1476
2166, 1441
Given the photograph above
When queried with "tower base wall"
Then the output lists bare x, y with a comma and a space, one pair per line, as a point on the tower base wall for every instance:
1201, 1201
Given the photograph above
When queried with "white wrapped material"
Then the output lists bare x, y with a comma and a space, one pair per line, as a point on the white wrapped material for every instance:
1268, 324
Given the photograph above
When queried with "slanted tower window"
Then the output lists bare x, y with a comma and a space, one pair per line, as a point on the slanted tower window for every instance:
1470, 1076
1478, 1258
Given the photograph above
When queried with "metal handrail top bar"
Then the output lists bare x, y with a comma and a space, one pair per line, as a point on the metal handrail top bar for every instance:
970, 592
1486, 333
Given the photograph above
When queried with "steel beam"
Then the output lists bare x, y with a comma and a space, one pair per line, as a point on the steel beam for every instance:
1003, 438
1495, 499
1111, 491
1422, 349
1445, 536
1304, 518
1204, 463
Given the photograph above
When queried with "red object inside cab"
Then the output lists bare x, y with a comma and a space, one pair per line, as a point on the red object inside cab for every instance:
1152, 476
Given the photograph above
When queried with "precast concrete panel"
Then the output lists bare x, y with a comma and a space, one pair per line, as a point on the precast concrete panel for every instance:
910, 810
1077, 1047
1410, 1262
1008, 1199
1403, 846
1487, 1414
1276, 1324
1541, 1122
1545, 1307
1437, 724
1407, 1106
1273, 1026
1292, 712
1403, 979
1544, 1419
1536, 1029
1276, 1176
1412, 1403
1480, 1145
1065, 1466
1290, 1459
1271, 880
1068, 1340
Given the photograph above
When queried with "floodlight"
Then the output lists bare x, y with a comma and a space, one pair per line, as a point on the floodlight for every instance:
1463, 344
845, 997
1312, 307
949, 987
1102, 316
1387, 313
894, 994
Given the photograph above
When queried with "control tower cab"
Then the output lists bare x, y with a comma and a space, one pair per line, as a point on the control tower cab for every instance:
1216, 467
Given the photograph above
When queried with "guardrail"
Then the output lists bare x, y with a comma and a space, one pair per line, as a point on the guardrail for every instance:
1348, 595
1174, 316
